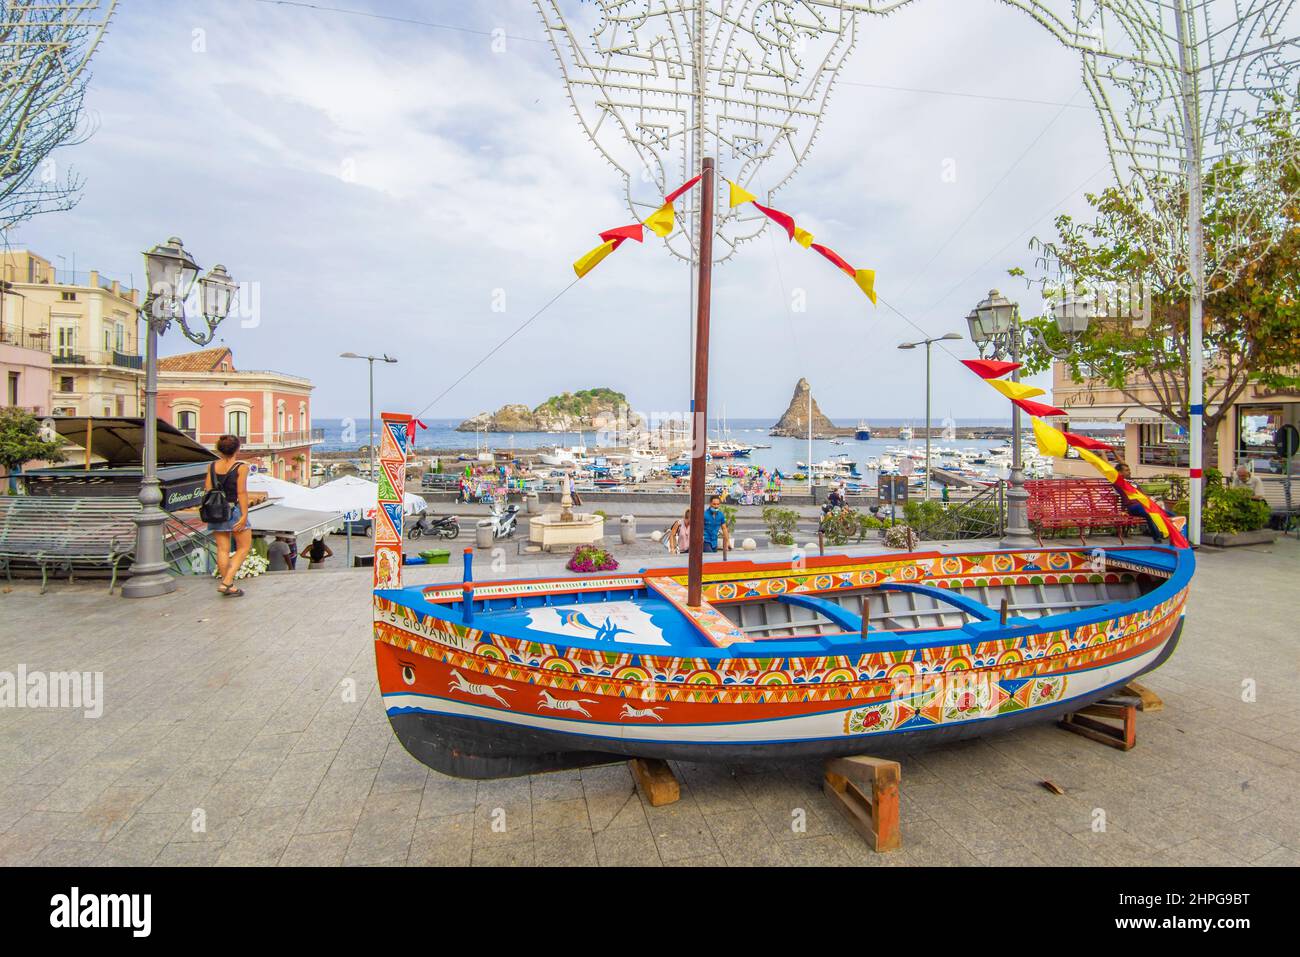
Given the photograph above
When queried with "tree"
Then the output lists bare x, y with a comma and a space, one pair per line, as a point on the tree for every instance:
1251, 275
21, 442
45, 51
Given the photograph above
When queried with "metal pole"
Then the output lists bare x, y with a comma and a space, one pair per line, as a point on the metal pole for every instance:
371, 419
927, 418
700, 398
1195, 266
1018, 534
149, 574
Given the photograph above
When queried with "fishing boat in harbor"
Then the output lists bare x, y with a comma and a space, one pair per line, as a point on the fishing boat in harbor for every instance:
863, 432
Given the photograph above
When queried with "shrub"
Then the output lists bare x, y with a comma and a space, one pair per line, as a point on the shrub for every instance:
900, 536
730, 512
1230, 510
839, 526
781, 524
591, 558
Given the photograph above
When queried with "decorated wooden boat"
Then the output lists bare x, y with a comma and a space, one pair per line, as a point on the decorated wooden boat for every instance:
512, 677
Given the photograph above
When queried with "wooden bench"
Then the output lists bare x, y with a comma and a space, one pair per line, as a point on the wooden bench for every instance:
1083, 504
55, 533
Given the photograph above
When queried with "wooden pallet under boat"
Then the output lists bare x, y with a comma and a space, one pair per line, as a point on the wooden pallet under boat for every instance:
512, 677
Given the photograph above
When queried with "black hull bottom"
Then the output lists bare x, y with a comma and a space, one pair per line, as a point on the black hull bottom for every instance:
472, 748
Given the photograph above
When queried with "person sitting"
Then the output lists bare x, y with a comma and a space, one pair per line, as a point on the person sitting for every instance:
1134, 507
1244, 478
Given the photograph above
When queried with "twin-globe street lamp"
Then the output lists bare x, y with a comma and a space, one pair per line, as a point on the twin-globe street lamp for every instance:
928, 343
995, 324
170, 272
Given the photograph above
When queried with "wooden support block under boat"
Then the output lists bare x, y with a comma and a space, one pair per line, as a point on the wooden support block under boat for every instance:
1122, 736
656, 781
865, 789
1150, 701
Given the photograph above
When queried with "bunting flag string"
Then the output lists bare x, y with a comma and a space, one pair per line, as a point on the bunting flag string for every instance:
865, 279
1055, 443
660, 222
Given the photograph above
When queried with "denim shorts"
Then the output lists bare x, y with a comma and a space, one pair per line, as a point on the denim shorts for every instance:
228, 525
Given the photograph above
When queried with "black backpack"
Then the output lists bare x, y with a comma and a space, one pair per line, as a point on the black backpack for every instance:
216, 509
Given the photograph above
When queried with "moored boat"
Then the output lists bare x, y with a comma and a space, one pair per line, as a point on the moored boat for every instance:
505, 678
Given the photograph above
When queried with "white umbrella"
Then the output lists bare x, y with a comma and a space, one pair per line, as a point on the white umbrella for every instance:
356, 498
289, 494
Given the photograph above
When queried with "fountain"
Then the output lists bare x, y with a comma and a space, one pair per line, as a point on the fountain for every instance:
566, 528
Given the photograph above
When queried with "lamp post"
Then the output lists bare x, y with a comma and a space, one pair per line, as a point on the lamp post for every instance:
170, 272
995, 323
928, 343
372, 360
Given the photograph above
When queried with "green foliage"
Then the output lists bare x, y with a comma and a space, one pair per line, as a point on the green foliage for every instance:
1252, 255
840, 526
730, 512
21, 442
781, 524
1227, 510
582, 402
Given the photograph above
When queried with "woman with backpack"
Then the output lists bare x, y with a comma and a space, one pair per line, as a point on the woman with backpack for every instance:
225, 509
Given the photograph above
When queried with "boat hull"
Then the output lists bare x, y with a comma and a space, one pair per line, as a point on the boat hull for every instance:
530, 729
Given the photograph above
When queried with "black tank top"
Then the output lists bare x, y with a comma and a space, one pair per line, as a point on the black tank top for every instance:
228, 482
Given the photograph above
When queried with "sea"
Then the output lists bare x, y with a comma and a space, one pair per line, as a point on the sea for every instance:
784, 454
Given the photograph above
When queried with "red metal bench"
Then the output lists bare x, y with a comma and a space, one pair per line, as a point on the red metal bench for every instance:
1084, 504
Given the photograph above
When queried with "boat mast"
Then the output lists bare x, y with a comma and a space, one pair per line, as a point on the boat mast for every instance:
700, 396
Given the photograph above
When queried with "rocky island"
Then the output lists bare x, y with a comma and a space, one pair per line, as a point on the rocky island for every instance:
794, 422
582, 411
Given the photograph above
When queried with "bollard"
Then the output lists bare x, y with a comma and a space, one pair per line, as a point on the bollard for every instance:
627, 529
484, 535
467, 588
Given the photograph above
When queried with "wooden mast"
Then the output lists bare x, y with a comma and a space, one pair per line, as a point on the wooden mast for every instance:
700, 395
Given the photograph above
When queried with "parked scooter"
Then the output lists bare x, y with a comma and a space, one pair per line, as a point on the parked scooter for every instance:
435, 526
504, 523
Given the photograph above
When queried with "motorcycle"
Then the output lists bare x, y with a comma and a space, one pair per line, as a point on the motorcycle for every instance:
446, 526
504, 523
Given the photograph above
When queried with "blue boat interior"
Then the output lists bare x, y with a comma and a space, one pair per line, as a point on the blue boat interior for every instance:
900, 616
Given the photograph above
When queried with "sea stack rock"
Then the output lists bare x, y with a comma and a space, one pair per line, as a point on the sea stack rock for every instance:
795, 420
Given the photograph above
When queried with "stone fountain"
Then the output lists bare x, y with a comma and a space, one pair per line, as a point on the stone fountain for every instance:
566, 528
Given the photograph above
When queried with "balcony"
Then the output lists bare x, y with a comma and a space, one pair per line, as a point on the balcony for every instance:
265, 442
113, 358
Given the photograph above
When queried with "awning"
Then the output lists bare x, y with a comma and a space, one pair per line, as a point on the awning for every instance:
119, 440
303, 524
1134, 414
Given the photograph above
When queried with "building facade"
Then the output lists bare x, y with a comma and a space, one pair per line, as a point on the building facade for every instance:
205, 396
1155, 446
86, 323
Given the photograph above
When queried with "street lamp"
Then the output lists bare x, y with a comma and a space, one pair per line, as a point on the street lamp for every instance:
170, 272
995, 324
372, 360
928, 343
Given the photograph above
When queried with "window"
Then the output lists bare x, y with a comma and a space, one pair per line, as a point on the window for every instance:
12, 394
188, 423
68, 296
1256, 426
237, 423
67, 383
1163, 444
65, 339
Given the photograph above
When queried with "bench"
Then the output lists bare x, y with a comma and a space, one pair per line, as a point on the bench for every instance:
1274, 490
1082, 504
56, 533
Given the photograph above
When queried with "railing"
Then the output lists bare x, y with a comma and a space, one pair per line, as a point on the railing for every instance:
1167, 456
264, 439
188, 546
983, 515
25, 339
123, 360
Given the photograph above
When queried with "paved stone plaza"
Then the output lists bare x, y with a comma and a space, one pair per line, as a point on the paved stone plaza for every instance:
234, 714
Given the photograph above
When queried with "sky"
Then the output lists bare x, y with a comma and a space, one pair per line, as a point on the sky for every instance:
385, 184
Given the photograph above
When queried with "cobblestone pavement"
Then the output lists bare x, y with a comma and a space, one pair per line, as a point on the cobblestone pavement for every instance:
233, 714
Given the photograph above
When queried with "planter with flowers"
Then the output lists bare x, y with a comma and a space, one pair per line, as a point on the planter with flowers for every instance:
591, 558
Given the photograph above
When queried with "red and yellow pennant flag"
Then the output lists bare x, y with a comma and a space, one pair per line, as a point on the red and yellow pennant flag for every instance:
660, 222
739, 195
1085, 442
989, 368
1039, 408
784, 220
1015, 390
1050, 441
